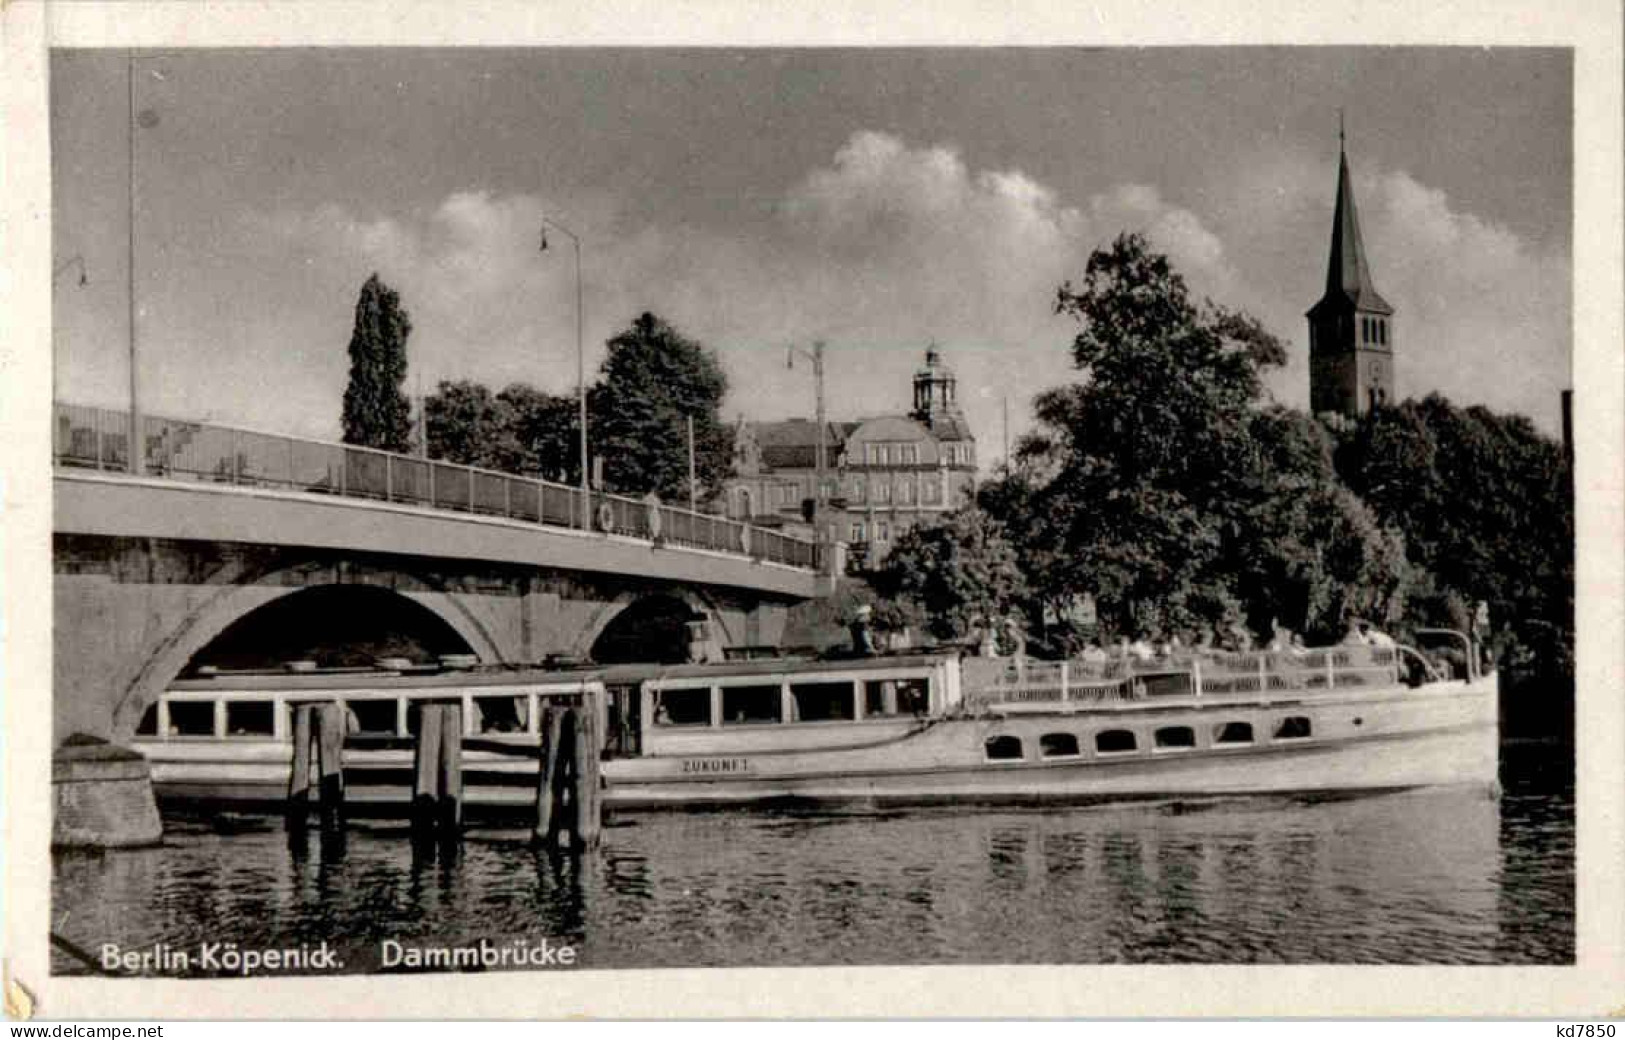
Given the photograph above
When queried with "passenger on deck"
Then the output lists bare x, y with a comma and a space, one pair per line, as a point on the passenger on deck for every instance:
1376, 636
863, 638
1093, 653
1353, 637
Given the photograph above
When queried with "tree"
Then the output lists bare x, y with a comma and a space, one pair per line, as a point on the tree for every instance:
1309, 553
653, 381
376, 412
1487, 508
466, 424
544, 432
1142, 463
961, 573
1160, 484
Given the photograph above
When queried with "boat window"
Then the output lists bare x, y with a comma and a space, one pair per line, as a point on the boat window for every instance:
822, 701
1176, 737
1058, 745
752, 704
690, 707
1233, 733
1110, 740
191, 718
1293, 727
1003, 748
896, 697
373, 717
502, 714
148, 726
250, 718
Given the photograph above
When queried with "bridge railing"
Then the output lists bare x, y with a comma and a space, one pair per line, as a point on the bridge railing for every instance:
98, 438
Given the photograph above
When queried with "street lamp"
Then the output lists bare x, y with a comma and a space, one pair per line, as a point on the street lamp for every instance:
146, 120
581, 367
816, 355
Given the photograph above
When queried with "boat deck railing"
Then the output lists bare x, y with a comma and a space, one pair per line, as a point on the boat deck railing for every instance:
996, 681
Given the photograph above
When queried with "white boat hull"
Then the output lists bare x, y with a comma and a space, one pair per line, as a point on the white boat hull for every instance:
1442, 734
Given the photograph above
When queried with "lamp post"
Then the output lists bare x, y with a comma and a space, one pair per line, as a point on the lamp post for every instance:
146, 120
137, 451
816, 355
581, 368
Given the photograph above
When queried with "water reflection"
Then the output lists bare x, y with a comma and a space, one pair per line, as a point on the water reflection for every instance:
1421, 877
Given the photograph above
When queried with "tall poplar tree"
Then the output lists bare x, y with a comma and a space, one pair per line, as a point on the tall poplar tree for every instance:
376, 412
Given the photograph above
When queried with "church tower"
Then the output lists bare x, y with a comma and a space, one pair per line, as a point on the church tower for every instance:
1351, 345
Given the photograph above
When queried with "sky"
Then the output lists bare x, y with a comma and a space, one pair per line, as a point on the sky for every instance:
879, 200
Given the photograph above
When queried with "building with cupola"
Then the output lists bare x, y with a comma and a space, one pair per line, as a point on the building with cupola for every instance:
1351, 328
883, 474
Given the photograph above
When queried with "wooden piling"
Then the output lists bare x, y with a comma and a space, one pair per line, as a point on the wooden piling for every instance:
426, 768
450, 812
547, 777
330, 729
299, 776
588, 800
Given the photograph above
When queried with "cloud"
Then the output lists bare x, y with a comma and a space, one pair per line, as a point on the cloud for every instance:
1481, 315
892, 245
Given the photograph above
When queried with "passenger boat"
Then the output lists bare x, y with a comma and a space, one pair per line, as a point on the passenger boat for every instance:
908, 729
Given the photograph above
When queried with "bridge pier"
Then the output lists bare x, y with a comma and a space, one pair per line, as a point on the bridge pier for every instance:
102, 796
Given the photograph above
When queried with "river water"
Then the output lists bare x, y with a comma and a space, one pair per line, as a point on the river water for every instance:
1419, 877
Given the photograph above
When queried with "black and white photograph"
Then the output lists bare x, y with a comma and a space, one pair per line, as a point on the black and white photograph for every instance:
550, 508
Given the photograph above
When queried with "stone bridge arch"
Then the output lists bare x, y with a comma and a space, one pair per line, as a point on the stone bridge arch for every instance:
697, 602
239, 589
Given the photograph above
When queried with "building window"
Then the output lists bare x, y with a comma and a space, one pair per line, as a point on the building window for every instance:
858, 489
905, 491
883, 491
931, 494
882, 531
911, 454
858, 533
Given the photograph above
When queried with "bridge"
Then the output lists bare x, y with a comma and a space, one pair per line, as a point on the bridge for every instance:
231, 542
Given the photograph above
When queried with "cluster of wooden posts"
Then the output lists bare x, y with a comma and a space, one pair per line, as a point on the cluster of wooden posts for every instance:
569, 805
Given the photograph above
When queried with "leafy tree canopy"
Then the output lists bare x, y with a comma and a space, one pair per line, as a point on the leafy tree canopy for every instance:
653, 380
1487, 507
961, 574
1162, 486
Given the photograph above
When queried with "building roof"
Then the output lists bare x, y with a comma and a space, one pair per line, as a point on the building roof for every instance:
793, 443
1348, 278
949, 427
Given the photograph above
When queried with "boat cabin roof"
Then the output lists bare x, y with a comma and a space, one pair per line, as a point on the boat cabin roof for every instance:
771, 666
372, 679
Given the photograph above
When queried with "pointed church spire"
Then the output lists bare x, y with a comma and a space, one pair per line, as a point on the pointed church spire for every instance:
1348, 279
